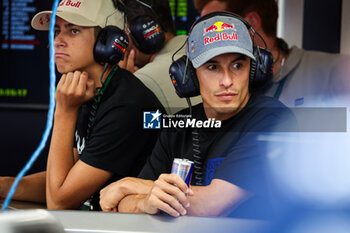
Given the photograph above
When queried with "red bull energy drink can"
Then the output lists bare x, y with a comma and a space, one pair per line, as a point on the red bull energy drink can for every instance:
183, 168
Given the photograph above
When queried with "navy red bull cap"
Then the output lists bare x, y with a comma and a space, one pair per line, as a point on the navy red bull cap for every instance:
218, 35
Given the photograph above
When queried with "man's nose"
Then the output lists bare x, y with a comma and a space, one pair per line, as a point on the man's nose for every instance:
59, 40
227, 79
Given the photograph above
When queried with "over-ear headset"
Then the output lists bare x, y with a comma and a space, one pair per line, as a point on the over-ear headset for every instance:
110, 46
146, 31
183, 74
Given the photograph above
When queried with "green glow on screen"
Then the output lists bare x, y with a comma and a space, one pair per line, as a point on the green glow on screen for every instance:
182, 8
12, 92
181, 32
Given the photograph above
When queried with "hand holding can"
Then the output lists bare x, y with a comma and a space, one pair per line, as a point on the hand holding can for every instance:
183, 168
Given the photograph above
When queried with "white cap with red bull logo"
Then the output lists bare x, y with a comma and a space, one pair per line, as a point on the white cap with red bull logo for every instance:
218, 35
87, 13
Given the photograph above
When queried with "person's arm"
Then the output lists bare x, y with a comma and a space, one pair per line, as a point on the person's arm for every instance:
30, 188
111, 195
69, 184
217, 199
163, 196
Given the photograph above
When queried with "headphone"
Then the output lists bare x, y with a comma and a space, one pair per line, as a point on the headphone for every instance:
183, 74
110, 46
146, 31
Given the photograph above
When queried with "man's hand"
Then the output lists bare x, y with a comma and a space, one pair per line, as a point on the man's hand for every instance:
129, 62
111, 195
73, 90
169, 194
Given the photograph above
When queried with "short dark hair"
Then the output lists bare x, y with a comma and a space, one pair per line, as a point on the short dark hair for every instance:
267, 10
97, 30
199, 4
160, 10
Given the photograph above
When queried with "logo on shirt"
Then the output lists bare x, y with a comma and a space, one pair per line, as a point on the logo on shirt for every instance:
299, 101
211, 167
151, 120
80, 142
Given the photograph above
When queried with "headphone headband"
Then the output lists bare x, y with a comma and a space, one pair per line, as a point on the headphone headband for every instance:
145, 30
221, 13
229, 14
183, 74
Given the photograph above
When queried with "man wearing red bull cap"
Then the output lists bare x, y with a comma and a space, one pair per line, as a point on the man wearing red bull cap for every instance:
97, 134
229, 175
301, 78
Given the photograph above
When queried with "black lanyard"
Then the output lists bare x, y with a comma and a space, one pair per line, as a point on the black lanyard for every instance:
96, 103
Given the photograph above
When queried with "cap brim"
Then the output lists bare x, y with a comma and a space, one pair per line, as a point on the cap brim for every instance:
207, 55
41, 21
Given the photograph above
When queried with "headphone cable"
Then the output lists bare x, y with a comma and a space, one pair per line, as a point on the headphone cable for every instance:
173, 56
197, 158
257, 33
198, 161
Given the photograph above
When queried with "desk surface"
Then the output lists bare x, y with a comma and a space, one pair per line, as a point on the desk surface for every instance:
95, 222
100, 222
14, 205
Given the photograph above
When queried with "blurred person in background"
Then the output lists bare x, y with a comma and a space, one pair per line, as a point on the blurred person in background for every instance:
152, 47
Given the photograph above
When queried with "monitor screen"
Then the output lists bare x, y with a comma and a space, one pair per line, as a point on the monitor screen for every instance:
184, 14
24, 55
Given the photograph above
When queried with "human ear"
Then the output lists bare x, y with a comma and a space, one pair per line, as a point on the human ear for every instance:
254, 19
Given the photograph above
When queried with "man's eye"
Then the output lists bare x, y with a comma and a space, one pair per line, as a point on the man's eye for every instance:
56, 32
75, 31
237, 66
211, 67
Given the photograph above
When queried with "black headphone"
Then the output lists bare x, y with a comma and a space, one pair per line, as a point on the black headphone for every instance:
183, 74
146, 31
110, 46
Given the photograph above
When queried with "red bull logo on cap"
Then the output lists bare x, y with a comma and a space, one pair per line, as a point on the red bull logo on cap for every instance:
220, 37
69, 3
44, 19
219, 27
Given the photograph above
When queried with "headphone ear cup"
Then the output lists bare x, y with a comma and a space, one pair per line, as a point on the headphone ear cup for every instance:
147, 34
184, 79
253, 65
261, 70
110, 46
